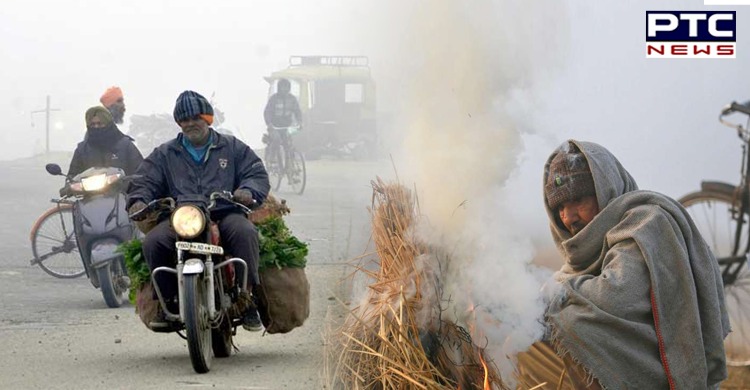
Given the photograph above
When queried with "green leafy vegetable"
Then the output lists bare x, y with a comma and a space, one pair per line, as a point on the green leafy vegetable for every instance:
278, 248
136, 265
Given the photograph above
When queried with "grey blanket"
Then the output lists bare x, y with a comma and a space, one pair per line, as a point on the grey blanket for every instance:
641, 304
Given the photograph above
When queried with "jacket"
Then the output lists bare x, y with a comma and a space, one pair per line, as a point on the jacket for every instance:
123, 154
280, 109
170, 171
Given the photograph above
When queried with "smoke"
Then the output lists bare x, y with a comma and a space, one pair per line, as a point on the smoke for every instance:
465, 75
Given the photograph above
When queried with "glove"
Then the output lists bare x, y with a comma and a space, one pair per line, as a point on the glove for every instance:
146, 221
244, 196
136, 207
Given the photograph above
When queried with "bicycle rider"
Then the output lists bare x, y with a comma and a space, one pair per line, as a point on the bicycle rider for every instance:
281, 112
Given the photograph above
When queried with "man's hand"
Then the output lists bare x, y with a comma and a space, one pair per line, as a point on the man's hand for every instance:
145, 221
244, 196
136, 207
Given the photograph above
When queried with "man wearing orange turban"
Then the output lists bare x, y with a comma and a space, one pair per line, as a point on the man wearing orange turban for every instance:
115, 103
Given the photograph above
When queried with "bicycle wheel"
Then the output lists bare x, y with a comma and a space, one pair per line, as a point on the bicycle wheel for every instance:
274, 165
716, 216
296, 172
53, 243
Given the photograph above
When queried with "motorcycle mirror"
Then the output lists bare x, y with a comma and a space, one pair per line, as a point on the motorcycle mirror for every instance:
53, 169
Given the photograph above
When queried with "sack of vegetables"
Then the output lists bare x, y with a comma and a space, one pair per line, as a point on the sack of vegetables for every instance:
284, 293
284, 296
141, 291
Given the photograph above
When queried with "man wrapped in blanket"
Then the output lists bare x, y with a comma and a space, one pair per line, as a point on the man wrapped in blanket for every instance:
640, 302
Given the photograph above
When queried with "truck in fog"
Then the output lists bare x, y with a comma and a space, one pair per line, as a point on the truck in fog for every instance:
337, 99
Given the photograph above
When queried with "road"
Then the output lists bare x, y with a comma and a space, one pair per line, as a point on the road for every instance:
59, 334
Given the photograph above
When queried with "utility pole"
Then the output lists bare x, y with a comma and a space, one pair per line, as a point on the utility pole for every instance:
47, 111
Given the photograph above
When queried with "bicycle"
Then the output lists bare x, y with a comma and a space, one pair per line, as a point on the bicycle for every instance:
283, 160
721, 211
54, 244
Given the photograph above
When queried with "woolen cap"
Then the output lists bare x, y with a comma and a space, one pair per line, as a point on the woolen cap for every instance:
191, 104
569, 179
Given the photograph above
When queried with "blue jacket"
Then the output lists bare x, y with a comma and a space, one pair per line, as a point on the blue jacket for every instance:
170, 171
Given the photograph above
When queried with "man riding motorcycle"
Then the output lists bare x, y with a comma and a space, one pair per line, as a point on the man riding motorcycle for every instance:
104, 145
201, 161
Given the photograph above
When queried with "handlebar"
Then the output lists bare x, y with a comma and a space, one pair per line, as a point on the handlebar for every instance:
169, 203
289, 129
165, 203
743, 108
734, 107
226, 195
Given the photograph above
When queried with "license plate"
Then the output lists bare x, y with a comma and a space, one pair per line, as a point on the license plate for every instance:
199, 247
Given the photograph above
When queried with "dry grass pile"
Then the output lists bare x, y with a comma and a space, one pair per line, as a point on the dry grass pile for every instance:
395, 338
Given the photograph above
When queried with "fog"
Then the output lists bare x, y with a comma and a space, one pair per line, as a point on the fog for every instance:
476, 95
591, 81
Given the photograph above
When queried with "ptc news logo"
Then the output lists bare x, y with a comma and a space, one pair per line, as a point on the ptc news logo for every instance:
691, 34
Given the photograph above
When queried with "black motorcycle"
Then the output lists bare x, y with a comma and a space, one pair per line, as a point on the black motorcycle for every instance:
211, 292
100, 223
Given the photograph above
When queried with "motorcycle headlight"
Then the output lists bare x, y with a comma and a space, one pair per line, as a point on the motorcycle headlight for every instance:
188, 221
94, 183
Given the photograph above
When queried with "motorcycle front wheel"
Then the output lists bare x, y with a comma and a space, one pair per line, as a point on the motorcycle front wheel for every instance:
197, 323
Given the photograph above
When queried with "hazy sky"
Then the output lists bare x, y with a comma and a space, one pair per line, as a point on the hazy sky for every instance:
153, 50
658, 116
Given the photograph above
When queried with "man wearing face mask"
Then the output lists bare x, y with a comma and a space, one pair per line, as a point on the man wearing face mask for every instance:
201, 161
639, 302
104, 145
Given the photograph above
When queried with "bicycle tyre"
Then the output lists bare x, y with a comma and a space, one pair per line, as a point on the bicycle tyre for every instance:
712, 212
56, 226
274, 167
297, 173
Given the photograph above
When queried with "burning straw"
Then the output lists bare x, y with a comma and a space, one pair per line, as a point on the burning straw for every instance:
395, 338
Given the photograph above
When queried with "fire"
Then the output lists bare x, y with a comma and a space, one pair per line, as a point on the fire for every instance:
486, 373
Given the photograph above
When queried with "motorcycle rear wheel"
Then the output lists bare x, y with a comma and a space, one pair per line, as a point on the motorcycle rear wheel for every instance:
221, 338
109, 282
197, 323
53, 240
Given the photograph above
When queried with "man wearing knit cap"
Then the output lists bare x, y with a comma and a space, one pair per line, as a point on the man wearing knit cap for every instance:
104, 145
201, 161
639, 301
114, 101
